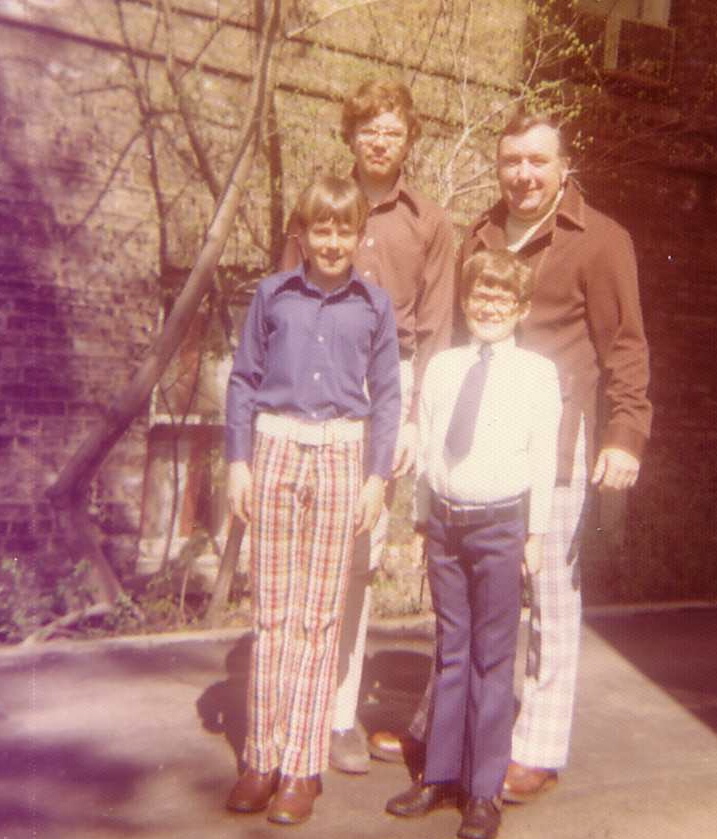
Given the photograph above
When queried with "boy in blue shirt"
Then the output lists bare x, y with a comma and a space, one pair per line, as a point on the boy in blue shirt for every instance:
315, 379
488, 424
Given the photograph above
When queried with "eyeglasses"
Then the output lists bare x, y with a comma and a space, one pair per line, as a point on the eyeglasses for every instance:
503, 305
391, 136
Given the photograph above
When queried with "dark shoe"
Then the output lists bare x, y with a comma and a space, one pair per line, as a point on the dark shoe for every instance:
252, 791
523, 783
421, 798
481, 818
395, 748
294, 800
348, 751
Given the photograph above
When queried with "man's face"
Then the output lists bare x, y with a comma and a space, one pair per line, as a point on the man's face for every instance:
492, 313
380, 146
329, 247
531, 171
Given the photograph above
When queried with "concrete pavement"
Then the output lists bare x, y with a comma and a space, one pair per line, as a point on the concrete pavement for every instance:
138, 737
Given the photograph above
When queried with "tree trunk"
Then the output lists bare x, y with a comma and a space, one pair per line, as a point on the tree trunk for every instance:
68, 494
227, 567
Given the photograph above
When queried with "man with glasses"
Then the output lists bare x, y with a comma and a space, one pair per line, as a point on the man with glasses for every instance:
586, 318
407, 249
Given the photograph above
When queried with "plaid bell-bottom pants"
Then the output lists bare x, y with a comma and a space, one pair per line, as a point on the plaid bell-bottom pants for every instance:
303, 507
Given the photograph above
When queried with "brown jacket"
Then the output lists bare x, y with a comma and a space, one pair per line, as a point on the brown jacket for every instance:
586, 318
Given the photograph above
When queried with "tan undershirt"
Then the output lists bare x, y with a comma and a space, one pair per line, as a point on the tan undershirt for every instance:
519, 231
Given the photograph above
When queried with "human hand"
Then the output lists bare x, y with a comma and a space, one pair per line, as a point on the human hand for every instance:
533, 553
405, 455
615, 469
370, 503
239, 490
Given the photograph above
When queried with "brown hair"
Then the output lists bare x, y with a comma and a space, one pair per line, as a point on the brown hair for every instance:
500, 269
331, 197
376, 97
521, 122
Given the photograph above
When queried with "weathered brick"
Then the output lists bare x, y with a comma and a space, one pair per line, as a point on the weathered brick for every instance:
35, 307
12, 512
21, 544
20, 391
39, 408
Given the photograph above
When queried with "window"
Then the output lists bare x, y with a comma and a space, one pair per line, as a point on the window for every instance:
656, 12
637, 42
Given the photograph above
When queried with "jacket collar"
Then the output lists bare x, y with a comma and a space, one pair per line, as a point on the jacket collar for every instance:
490, 226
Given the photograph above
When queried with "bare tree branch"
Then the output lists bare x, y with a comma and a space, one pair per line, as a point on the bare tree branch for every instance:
68, 493
185, 108
337, 11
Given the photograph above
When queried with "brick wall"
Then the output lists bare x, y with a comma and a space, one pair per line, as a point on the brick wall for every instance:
83, 257
95, 229
653, 166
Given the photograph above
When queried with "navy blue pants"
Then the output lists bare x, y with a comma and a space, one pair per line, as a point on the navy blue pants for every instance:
475, 579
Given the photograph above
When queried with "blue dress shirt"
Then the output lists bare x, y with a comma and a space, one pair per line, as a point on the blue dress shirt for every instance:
317, 356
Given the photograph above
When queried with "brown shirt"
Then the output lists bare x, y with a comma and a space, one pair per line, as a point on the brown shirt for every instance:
407, 249
586, 317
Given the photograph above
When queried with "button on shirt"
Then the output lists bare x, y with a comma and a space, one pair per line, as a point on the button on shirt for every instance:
514, 447
317, 356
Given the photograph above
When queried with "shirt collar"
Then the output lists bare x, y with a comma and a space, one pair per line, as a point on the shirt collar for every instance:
499, 347
401, 191
296, 278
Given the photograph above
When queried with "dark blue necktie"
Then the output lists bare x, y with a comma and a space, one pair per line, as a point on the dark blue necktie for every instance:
461, 428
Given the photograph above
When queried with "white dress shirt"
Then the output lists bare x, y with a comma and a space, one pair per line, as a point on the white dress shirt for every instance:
514, 447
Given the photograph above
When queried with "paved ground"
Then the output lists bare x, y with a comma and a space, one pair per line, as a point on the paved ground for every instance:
138, 738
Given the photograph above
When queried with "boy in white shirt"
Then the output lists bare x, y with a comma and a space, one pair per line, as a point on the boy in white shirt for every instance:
488, 423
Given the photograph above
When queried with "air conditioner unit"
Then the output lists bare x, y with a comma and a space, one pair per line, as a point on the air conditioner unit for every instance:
640, 51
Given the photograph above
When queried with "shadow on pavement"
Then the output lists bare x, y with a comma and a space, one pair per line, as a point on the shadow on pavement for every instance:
222, 706
104, 784
392, 685
674, 649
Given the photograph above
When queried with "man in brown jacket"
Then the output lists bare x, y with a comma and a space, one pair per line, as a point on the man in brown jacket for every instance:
586, 318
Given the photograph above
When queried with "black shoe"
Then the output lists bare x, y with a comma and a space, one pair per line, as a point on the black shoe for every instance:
422, 798
481, 818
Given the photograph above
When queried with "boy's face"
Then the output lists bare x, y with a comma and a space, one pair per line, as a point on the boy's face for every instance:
380, 145
492, 313
329, 247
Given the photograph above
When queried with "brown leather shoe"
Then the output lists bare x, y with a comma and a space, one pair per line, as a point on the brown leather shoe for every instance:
294, 800
524, 783
396, 748
421, 798
481, 819
252, 791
